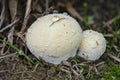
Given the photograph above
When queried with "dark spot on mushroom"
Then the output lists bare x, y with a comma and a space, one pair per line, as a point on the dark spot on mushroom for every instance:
39, 58
64, 25
83, 54
66, 32
96, 46
53, 56
97, 43
77, 51
90, 31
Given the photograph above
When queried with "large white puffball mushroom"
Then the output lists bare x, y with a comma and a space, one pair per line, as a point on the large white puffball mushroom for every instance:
92, 46
54, 37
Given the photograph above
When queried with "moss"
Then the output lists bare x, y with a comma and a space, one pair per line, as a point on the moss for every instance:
91, 77
111, 72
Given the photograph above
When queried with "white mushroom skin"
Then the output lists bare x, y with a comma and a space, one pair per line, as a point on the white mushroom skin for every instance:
54, 37
92, 46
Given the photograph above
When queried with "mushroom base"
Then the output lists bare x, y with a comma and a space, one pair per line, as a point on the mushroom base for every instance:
90, 57
57, 60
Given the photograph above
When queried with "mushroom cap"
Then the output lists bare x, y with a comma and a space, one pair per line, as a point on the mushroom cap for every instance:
54, 37
92, 45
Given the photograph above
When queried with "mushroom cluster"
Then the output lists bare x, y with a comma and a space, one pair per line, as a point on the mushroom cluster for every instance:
54, 37
57, 37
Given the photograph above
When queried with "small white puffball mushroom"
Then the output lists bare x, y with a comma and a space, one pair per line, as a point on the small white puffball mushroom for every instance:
54, 37
92, 46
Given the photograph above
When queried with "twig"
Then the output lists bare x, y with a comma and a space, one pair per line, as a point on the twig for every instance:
80, 72
113, 57
10, 35
21, 36
28, 9
95, 69
2, 17
109, 35
108, 23
8, 26
1, 71
66, 71
78, 75
66, 63
34, 69
46, 4
81, 64
100, 63
71, 10
89, 71
9, 55
111, 21
3, 47
75, 73
13, 4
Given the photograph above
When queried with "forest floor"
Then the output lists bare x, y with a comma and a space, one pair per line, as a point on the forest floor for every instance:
16, 16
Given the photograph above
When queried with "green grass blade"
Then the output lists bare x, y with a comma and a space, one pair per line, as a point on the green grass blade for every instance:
21, 52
